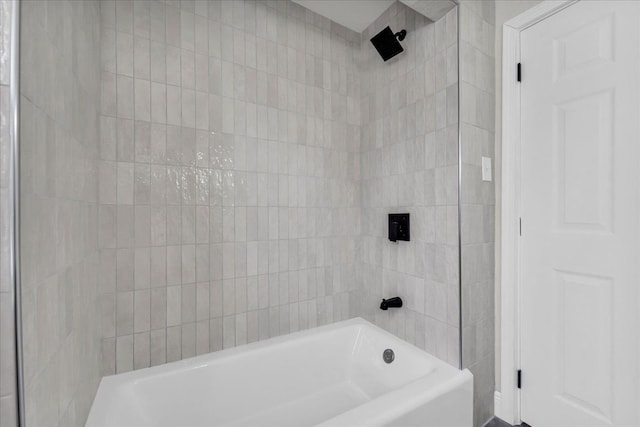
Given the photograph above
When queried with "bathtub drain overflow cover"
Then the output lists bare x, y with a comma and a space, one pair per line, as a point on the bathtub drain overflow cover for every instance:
388, 355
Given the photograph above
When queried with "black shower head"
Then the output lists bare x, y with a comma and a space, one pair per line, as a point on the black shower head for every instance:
386, 43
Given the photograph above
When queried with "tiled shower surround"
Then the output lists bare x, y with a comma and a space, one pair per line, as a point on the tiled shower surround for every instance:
250, 153
226, 177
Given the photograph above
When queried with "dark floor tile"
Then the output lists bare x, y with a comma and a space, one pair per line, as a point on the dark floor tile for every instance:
497, 422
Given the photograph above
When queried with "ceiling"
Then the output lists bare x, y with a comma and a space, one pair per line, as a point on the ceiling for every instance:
356, 15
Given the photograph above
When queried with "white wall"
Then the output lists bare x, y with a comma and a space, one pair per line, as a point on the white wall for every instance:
505, 10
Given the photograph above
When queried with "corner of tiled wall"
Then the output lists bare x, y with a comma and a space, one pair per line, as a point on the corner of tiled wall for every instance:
477, 97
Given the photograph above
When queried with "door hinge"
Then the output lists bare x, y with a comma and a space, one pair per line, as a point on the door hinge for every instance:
519, 378
519, 72
520, 226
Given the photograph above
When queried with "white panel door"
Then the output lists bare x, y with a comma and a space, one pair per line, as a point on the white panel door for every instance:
580, 259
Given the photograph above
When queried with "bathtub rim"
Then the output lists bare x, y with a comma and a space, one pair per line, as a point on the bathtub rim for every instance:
441, 378
202, 359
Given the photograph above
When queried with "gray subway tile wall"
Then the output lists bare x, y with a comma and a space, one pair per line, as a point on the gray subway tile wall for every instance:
229, 199
256, 208
409, 158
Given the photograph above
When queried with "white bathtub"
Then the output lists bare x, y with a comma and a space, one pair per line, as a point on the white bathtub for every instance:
328, 376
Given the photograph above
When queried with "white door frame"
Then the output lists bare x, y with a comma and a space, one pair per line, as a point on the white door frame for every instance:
508, 400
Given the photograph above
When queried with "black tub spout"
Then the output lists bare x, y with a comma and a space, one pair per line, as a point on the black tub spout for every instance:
394, 302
